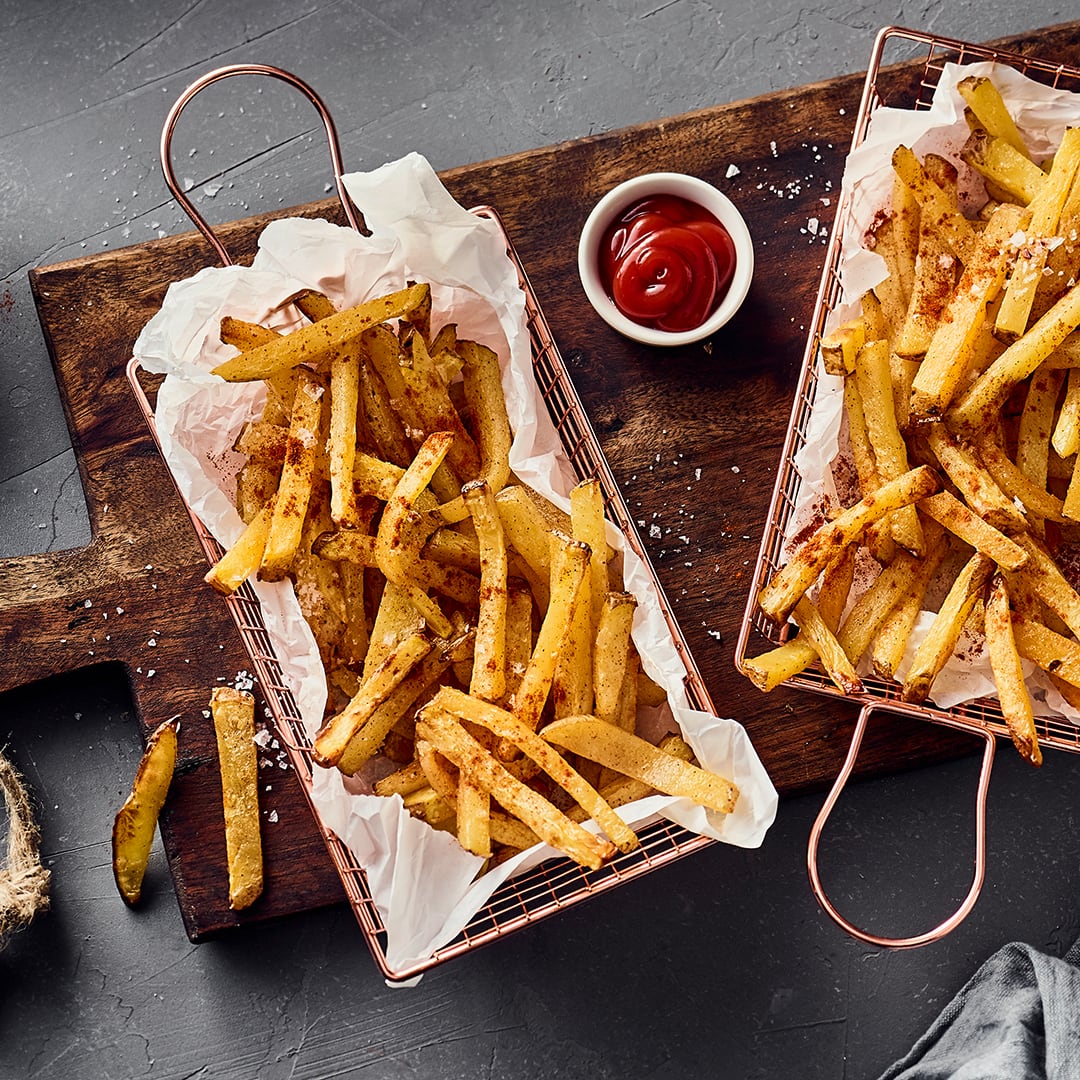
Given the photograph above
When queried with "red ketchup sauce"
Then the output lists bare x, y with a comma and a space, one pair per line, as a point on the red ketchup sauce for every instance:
667, 263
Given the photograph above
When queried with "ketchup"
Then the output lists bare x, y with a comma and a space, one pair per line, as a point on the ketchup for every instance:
667, 263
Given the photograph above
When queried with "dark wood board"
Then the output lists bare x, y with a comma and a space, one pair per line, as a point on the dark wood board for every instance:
134, 597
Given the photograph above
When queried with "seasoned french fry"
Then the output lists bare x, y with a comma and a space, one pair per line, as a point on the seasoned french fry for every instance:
570, 564
1009, 676
949, 511
979, 405
297, 477
611, 654
233, 713
133, 827
780, 596
984, 100
313, 344
633, 756
839, 349
935, 649
243, 558
489, 658
950, 350
507, 727
336, 734
873, 376
549, 823
1012, 172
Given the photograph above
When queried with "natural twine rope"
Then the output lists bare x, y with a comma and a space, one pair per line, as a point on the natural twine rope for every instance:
24, 882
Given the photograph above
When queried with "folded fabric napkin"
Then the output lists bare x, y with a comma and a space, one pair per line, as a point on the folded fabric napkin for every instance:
1017, 1019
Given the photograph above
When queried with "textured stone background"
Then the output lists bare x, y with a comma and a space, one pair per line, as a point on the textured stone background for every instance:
720, 965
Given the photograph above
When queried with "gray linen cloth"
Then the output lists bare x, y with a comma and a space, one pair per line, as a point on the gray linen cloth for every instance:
1017, 1019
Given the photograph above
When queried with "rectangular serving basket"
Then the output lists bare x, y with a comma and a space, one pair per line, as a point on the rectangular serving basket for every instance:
558, 883
893, 80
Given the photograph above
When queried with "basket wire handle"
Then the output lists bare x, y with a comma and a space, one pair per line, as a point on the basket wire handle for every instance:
355, 218
968, 902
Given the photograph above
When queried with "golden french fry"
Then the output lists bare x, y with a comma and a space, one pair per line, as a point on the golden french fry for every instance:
935, 206
344, 399
489, 657
633, 756
949, 511
507, 727
1008, 170
336, 734
936, 648
891, 636
393, 551
949, 352
527, 533
611, 653
364, 745
548, 822
782, 593
979, 405
233, 713
243, 558
297, 477
832, 656
873, 376
839, 349
1009, 676
133, 828
570, 564
313, 344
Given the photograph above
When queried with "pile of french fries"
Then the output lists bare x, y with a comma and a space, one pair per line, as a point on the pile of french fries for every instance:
472, 633
962, 400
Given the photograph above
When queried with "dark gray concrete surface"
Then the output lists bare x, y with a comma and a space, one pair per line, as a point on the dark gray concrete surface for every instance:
721, 965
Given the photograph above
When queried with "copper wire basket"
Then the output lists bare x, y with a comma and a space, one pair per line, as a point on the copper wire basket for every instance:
558, 883
982, 718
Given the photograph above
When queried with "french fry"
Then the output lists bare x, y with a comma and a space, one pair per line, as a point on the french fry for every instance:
365, 743
823, 640
133, 827
297, 477
936, 209
780, 596
336, 734
889, 644
549, 823
570, 564
393, 550
950, 512
233, 713
936, 648
633, 756
313, 344
1009, 676
949, 352
506, 726
839, 349
344, 399
489, 659
979, 405
244, 557
609, 659
985, 101
1003, 165
873, 376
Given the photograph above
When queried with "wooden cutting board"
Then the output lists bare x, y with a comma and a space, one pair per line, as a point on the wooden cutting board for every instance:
692, 435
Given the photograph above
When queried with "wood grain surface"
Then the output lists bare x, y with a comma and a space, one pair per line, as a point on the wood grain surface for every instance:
692, 435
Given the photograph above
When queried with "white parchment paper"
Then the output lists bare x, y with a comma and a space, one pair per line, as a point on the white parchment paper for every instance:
422, 882
1041, 114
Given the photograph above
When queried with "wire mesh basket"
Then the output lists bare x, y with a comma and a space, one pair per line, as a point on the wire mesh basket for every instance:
905, 85
553, 885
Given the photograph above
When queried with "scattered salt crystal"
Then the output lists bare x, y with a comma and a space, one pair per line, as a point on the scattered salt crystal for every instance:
697, 474
732, 170
210, 190
151, 673
735, 468
272, 816
88, 603
262, 737
812, 226
772, 147
152, 643
654, 531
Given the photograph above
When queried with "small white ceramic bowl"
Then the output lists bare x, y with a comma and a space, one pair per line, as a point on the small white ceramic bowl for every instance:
623, 196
